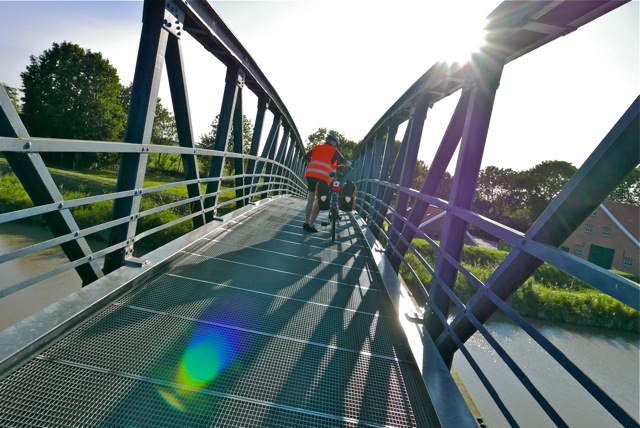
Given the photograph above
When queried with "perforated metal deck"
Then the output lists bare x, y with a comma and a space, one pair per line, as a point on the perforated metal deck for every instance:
260, 324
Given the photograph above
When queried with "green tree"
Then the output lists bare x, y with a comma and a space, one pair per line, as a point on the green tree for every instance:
13, 95
542, 183
628, 192
164, 131
207, 141
347, 147
71, 92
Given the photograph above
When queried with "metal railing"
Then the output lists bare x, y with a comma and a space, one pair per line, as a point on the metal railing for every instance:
277, 170
385, 198
384, 180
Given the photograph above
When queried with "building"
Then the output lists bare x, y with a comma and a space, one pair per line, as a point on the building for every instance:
609, 238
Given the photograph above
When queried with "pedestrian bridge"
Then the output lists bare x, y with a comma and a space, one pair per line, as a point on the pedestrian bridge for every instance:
247, 320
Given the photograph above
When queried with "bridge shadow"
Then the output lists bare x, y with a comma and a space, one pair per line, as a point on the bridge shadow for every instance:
216, 338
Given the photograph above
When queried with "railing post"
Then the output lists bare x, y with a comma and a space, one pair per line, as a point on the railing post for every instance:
271, 138
144, 96
366, 174
238, 141
434, 176
408, 162
375, 172
279, 158
180, 99
233, 83
263, 104
488, 70
380, 210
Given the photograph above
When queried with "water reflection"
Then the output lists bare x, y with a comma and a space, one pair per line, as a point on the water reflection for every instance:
609, 358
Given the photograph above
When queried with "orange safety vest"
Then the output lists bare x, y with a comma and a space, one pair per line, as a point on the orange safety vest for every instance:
320, 165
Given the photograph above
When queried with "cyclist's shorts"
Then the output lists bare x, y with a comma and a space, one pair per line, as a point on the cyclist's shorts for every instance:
324, 195
312, 183
348, 196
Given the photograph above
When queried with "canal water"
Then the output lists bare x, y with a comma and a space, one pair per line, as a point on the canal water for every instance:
611, 359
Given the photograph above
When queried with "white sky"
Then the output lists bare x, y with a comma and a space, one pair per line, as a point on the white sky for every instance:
340, 64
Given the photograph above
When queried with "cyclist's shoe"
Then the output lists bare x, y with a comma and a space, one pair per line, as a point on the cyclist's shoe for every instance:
312, 229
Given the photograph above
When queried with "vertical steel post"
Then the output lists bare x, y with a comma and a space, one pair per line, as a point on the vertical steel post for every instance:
279, 158
375, 172
238, 140
414, 130
614, 158
366, 174
487, 69
263, 104
234, 81
144, 96
387, 193
271, 138
180, 99
379, 209
434, 176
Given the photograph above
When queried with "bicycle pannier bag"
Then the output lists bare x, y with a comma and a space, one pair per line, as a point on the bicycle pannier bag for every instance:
324, 195
348, 196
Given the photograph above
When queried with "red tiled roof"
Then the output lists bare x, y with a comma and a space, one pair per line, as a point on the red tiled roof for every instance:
627, 215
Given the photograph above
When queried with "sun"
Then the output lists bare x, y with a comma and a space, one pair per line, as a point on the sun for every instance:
457, 27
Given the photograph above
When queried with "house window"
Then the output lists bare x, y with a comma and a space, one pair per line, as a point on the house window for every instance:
628, 262
588, 228
565, 249
606, 231
578, 249
593, 214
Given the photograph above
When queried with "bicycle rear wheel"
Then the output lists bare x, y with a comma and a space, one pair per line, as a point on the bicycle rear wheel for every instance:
334, 219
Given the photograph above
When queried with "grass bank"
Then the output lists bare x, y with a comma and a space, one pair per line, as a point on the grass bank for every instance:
549, 294
83, 183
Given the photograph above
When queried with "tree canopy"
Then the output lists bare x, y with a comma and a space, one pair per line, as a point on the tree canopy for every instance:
71, 92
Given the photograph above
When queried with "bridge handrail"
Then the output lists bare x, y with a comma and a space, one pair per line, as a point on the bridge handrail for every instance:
385, 195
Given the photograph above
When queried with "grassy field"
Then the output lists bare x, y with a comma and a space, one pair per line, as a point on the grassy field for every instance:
83, 183
548, 294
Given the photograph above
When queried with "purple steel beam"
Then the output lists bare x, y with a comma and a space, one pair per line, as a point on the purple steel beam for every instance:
438, 167
487, 70
616, 156
414, 129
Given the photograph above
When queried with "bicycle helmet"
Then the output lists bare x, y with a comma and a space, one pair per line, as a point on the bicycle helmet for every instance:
331, 138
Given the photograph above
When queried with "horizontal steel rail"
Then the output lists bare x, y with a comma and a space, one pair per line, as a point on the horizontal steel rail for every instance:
253, 175
394, 211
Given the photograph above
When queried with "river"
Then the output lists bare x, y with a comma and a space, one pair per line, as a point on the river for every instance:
611, 359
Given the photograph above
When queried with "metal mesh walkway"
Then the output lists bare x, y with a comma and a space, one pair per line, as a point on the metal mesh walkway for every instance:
259, 324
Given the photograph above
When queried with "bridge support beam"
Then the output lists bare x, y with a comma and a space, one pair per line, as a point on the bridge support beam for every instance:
180, 99
487, 69
144, 96
436, 172
234, 82
37, 182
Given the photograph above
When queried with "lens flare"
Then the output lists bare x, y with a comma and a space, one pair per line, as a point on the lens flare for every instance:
213, 347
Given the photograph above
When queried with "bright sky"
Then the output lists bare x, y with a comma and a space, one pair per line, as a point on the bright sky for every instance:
340, 64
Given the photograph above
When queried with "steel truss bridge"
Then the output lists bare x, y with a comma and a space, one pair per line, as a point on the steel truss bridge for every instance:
246, 320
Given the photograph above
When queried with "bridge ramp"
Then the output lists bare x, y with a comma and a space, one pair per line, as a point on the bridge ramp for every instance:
259, 324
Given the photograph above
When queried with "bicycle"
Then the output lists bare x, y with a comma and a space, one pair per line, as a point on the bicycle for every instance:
334, 209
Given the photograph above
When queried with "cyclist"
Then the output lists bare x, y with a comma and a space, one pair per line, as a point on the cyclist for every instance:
323, 159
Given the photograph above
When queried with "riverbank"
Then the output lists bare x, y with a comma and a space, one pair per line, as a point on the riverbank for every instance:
549, 294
